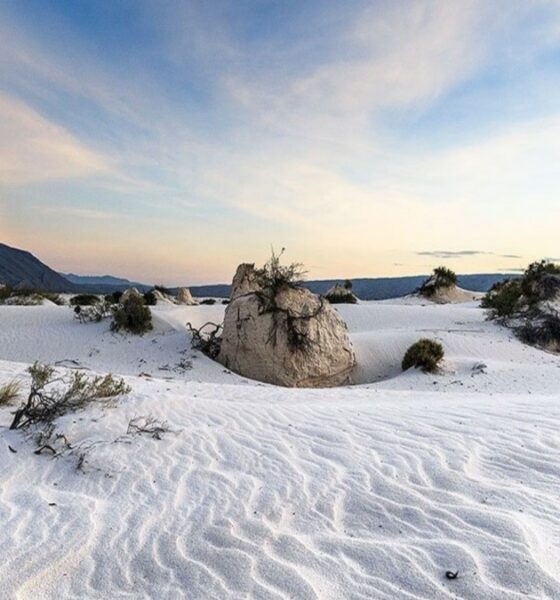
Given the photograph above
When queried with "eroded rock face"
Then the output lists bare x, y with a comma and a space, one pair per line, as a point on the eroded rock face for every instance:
295, 339
130, 292
184, 296
244, 281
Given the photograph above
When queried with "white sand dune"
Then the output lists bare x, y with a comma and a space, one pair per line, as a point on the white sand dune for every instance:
370, 491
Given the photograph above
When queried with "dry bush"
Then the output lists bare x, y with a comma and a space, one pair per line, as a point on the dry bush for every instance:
52, 396
206, 339
148, 426
94, 313
273, 276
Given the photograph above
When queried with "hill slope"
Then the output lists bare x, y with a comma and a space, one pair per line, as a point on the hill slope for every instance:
19, 268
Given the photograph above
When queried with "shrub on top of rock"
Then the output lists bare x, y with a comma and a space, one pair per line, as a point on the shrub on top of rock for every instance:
278, 332
341, 294
424, 354
441, 278
132, 316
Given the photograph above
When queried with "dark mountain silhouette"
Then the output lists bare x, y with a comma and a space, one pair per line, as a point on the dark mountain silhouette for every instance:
21, 269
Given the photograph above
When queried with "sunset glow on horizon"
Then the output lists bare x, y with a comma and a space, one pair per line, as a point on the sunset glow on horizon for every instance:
168, 142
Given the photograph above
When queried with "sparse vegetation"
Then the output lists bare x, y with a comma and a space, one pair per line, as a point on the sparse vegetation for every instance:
527, 304
52, 396
341, 294
206, 339
502, 299
25, 296
114, 297
132, 316
150, 298
441, 278
84, 300
424, 354
94, 313
273, 276
9, 392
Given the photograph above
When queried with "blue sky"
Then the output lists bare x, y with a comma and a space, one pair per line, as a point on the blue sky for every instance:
169, 141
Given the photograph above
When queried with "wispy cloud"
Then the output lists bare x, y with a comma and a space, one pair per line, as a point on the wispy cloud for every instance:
35, 149
464, 253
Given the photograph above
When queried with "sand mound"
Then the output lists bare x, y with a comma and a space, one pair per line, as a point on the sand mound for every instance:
453, 295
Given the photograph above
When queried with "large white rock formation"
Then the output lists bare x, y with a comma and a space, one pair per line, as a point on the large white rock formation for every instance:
292, 338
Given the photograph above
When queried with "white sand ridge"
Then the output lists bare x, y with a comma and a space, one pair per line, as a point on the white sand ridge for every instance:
371, 491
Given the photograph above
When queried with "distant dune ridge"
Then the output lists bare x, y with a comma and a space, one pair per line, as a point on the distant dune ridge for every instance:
20, 268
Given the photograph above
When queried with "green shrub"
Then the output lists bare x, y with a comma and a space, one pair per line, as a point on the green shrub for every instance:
441, 278
150, 298
541, 330
424, 354
534, 277
5, 292
114, 297
208, 301
502, 300
133, 316
342, 298
84, 300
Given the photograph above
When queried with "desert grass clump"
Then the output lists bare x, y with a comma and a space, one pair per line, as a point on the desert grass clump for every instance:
84, 300
132, 316
424, 354
52, 396
9, 392
441, 278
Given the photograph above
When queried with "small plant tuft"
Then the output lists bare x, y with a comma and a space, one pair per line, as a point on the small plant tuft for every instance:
424, 354
9, 392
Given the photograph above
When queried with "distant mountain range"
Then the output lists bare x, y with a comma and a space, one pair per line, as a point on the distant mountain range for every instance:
19, 268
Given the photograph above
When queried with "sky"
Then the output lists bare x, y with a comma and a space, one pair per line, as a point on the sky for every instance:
168, 141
